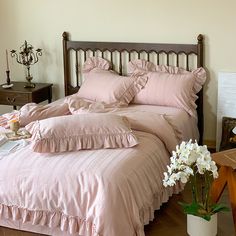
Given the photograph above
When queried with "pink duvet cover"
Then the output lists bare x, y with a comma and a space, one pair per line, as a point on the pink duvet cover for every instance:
109, 192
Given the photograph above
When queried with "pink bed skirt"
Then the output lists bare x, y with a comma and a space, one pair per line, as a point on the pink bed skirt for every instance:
146, 214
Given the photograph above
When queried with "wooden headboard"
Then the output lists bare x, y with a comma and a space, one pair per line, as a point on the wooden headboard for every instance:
187, 56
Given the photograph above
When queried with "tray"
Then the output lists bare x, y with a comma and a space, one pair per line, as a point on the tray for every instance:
21, 134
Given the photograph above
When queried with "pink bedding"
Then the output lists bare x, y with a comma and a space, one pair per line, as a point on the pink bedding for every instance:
109, 192
184, 124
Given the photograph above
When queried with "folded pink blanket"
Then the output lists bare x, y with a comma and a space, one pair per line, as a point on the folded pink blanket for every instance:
71, 105
32, 112
5, 118
148, 122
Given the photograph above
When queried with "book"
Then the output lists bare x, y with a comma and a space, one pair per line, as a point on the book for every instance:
8, 146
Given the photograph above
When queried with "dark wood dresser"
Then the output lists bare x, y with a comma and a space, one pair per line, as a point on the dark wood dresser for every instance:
18, 95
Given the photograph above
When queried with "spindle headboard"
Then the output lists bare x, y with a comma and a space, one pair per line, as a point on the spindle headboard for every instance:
187, 56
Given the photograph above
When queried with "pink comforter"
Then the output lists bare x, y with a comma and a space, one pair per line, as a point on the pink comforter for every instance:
109, 192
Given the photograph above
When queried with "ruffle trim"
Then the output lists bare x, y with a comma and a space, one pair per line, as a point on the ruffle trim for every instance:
96, 62
139, 81
147, 213
81, 142
199, 77
199, 73
140, 64
66, 223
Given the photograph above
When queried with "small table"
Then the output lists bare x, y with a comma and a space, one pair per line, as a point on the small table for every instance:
18, 95
227, 176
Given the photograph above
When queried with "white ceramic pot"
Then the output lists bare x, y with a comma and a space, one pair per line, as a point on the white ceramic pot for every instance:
197, 226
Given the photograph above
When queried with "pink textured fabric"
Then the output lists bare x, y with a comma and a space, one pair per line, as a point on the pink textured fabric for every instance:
32, 111
96, 62
168, 90
184, 126
5, 118
109, 87
169, 86
85, 192
140, 64
67, 106
79, 106
198, 75
77, 132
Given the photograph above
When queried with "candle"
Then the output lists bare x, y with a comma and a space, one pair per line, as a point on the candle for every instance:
7, 60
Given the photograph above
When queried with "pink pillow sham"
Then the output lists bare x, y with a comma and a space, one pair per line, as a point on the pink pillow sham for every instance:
107, 86
96, 62
169, 86
77, 132
163, 89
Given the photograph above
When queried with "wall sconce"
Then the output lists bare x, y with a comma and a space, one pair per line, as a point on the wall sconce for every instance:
27, 57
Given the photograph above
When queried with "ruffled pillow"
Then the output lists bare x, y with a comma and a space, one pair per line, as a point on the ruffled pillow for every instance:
77, 132
107, 86
199, 74
140, 64
96, 62
169, 85
147, 66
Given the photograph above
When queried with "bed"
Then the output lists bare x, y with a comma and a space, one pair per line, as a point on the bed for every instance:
103, 190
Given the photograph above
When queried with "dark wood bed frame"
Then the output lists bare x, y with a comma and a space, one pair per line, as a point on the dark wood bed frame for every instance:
139, 48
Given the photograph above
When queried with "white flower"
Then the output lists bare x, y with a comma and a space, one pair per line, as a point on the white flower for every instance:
188, 160
183, 177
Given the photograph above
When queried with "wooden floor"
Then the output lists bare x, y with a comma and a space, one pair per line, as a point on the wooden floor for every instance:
169, 220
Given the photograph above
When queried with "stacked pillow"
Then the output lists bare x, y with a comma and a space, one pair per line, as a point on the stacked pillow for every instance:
104, 85
146, 84
91, 131
168, 85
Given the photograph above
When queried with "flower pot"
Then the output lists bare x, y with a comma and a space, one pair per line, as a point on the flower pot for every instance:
198, 226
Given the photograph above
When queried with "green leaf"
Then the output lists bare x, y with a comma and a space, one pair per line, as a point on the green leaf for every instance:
206, 217
191, 208
197, 209
219, 207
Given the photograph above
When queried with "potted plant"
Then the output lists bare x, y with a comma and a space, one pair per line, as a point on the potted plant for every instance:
192, 163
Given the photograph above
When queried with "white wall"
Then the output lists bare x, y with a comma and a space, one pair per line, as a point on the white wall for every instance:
42, 22
226, 105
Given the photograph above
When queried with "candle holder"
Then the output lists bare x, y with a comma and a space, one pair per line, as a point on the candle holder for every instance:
8, 84
8, 77
27, 57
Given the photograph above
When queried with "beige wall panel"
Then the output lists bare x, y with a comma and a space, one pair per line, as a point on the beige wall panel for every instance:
42, 22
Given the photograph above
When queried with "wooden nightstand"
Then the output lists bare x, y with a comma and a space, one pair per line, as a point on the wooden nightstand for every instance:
19, 96
227, 177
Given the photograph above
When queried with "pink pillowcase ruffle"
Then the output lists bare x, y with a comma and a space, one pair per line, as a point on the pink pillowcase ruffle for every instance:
109, 87
78, 132
178, 90
96, 62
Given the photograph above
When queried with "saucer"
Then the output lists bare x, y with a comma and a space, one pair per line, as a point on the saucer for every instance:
21, 134
6, 86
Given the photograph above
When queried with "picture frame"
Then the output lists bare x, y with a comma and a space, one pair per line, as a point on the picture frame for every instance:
228, 138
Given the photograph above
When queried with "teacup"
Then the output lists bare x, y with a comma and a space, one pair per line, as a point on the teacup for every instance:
14, 126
